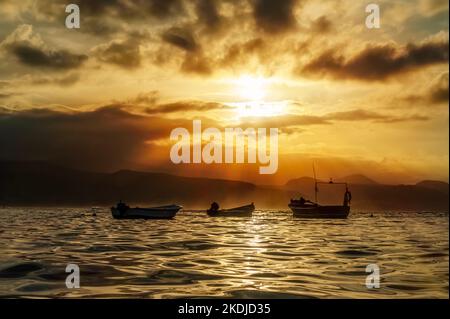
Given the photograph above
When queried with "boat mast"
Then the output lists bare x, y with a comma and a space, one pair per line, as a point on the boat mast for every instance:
315, 184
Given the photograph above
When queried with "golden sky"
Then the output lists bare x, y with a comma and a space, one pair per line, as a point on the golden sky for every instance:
106, 96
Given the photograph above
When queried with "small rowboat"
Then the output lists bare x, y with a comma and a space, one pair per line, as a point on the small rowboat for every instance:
161, 212
243, 211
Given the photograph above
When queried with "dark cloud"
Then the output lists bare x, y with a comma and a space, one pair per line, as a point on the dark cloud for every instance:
38, 57
164, 8
239, 53
290, 121
356, 115
104, 27
439, 92
208, 15
111, 137
66, 80
377, 62
146, 99
6, 95
197, 63
194, 61
285, 121
365, 115
321, 25
290, 130
274, 16
27, 47
100, 139
99, 7
122, 8
181, 38
185, 107
123, 53
109, 18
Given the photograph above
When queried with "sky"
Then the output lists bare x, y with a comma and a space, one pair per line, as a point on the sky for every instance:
350, 99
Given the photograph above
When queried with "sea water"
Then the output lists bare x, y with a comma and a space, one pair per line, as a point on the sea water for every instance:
271, 255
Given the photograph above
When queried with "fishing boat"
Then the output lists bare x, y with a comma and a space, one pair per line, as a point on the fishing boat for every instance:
243, 211
307, 209
318, 211
122, 211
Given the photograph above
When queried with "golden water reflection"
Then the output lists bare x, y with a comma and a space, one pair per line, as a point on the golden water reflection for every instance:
270, 255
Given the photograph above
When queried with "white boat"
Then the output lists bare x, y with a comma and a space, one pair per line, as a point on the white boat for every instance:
122, 211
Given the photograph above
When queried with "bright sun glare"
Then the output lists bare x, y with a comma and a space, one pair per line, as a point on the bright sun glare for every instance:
251, 88
254, 91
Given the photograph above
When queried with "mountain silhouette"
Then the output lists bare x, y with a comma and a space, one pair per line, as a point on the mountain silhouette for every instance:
300, 183
357, 179
45, 184
436, 185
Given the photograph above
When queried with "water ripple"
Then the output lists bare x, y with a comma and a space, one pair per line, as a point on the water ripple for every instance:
271, 255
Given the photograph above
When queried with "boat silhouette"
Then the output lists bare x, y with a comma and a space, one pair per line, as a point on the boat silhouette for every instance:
242, 211
319, 211
303, 208
123, 211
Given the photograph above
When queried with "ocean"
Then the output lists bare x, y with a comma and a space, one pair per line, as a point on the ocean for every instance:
271, 255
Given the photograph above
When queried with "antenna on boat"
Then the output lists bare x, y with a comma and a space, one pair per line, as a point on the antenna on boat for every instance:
315, 183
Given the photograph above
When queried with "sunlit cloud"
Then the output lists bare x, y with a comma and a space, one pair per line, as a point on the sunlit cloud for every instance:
310, 68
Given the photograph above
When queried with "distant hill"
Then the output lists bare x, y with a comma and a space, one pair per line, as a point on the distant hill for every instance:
436, 185
308, 182
40, 183
301, 183
357, 179
44, 184
369, 195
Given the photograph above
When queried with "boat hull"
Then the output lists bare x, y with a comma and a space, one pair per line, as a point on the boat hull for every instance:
339, 212
163, 212
244, 211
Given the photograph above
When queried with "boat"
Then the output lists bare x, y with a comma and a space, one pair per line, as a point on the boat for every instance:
318, 211
243, 211
307, 209
122, 211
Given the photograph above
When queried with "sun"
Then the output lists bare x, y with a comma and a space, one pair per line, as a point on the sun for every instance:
252, 93
251, 88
